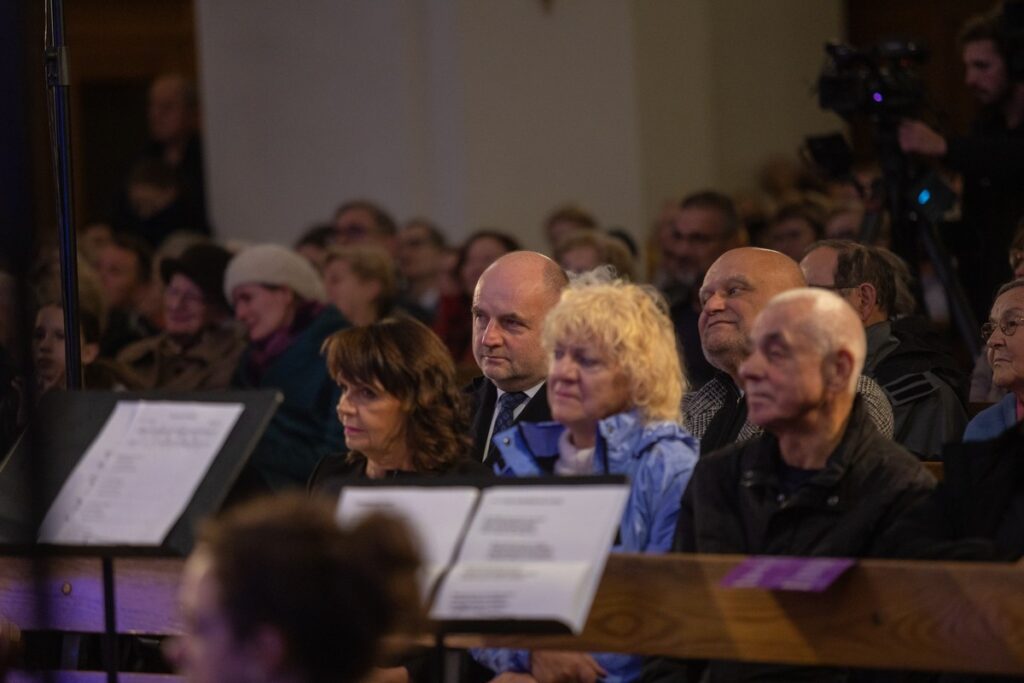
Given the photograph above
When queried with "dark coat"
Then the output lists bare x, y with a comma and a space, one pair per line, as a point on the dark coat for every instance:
483, 398
305, 427
334, 471
977, 512
735, 504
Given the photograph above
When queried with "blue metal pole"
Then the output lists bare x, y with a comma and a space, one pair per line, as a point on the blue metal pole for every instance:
57, 81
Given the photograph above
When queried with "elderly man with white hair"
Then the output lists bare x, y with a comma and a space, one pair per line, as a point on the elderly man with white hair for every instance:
821, 481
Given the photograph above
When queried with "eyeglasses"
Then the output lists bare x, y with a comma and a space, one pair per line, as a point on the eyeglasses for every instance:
1008, 327
173, 294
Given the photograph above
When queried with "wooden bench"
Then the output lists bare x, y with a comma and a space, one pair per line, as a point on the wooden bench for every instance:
886, 614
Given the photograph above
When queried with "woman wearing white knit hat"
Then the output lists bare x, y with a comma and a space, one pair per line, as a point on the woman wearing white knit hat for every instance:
279, 298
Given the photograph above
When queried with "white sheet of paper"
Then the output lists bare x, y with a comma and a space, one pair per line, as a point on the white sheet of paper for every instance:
138, 475
436, 515
533, 552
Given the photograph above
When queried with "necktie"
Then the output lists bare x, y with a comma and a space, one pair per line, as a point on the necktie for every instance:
506, 406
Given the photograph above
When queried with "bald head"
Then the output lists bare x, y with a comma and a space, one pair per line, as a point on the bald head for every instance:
736, 287
512, 298
807, 352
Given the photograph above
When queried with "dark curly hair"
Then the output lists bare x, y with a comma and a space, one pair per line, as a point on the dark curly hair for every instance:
412, 364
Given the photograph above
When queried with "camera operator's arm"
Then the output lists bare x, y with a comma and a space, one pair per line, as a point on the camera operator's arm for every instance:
917, 137
977, 154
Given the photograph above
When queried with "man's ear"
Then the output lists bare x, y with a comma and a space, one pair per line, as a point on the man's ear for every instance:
868, 301
838, 370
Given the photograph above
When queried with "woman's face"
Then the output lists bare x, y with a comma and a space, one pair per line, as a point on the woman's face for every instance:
374, 421
48, 347
585, 385
1006, 352
349, 293
184, 307
481, 253
263, 310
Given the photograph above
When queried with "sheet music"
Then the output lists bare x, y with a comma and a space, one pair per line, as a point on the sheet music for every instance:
436, 515
533, 552
137, 477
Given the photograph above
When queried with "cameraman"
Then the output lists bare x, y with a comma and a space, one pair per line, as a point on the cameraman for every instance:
990, 158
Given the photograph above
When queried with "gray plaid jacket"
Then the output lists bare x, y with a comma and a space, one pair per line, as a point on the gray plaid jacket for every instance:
700, 407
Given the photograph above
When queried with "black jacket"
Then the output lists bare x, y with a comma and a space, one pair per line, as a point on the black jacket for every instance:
735, 504
483, 398
977, 512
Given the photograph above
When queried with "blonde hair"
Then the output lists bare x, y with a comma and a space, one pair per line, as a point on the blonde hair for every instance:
630, 323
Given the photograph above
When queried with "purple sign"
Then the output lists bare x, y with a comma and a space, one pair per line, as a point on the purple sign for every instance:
808, 574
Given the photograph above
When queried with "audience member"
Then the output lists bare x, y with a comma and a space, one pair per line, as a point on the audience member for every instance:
822, 481
125, 273
200, 346
1005, 352
567, 219
614, 387
314, 243
421, 263
92, 239
736, 288
844, 222
169, 173
982, 388
278, 297
512, 298
585, 250
920, 377
793, 229
361, 221
276, 591
360, 281
454, 322
49, 356
402, 411
705, 227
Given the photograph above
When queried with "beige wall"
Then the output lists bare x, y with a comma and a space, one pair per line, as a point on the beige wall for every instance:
492, 112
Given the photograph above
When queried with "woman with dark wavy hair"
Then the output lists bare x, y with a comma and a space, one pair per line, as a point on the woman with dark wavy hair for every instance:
400, 406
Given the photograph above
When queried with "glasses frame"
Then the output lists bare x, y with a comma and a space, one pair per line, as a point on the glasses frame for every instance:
1008, 327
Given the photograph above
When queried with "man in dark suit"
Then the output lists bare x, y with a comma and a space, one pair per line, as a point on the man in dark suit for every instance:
512, 298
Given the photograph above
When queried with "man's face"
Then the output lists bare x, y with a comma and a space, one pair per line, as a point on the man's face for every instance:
985, 72
208, 651
693, 243
791, 236
418, 256
355, 226
735, 290
118, 270
170, 117
508, 314
782, 377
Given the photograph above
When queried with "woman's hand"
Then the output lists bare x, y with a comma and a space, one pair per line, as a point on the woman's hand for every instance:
556, 666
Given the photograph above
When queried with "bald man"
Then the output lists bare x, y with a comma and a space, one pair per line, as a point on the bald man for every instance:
822, 481
512, 298
736, 288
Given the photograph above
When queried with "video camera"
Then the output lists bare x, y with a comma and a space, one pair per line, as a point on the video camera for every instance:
880, 82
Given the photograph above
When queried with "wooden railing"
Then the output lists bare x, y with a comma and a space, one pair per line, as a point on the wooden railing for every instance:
887, 614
